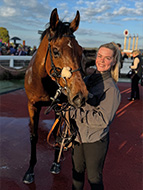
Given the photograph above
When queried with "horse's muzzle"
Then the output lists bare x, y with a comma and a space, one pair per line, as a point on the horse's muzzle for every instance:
78, 100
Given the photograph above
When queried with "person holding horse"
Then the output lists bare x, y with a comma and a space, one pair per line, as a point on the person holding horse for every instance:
94, 118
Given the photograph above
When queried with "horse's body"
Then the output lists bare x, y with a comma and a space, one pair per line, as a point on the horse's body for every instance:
58, 49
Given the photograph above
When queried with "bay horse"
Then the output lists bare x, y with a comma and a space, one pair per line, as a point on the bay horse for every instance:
57, 51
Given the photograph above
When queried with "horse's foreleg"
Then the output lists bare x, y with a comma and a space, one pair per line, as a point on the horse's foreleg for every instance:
34, 119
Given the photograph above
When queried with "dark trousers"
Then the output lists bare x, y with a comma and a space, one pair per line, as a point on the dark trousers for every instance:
89, 156
135, 87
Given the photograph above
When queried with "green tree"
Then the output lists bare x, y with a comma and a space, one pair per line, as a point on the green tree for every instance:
4, 35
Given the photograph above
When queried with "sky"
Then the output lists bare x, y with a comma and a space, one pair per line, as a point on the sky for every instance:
101, 21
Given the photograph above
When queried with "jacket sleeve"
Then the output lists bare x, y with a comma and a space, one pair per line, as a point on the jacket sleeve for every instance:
102, 115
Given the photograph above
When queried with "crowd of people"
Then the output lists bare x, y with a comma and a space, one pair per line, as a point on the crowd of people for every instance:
15, 49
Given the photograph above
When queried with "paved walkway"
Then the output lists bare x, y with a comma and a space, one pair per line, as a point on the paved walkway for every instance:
123, 166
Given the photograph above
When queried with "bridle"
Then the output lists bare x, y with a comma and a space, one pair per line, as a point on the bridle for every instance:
55, 73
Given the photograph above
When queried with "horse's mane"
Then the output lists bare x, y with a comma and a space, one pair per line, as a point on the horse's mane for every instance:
63, 28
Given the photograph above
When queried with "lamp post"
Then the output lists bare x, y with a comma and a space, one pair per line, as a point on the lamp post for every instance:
133, 43
137, 38
129, 44
126, 33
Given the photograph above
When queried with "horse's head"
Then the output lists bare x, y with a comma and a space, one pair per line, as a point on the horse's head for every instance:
63, 58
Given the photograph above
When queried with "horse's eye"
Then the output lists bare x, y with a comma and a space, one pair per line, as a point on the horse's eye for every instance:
56, 52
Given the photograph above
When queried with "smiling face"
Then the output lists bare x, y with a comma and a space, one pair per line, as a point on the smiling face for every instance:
104, 59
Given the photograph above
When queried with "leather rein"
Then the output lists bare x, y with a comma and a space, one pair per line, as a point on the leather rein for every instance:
62, 110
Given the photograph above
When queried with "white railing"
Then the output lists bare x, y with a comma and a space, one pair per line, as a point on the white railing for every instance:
10, 60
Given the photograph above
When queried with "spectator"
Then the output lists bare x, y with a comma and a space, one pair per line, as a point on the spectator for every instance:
137, 69
3, 50
121, 59
20, 51
34, 49
12, 50
27, 50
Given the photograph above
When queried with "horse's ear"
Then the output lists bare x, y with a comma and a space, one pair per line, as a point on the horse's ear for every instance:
75, 23
54, 19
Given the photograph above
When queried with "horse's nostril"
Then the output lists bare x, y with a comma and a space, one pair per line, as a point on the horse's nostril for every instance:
75, 98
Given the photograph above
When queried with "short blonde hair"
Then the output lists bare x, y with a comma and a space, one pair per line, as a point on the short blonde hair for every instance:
136, 52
